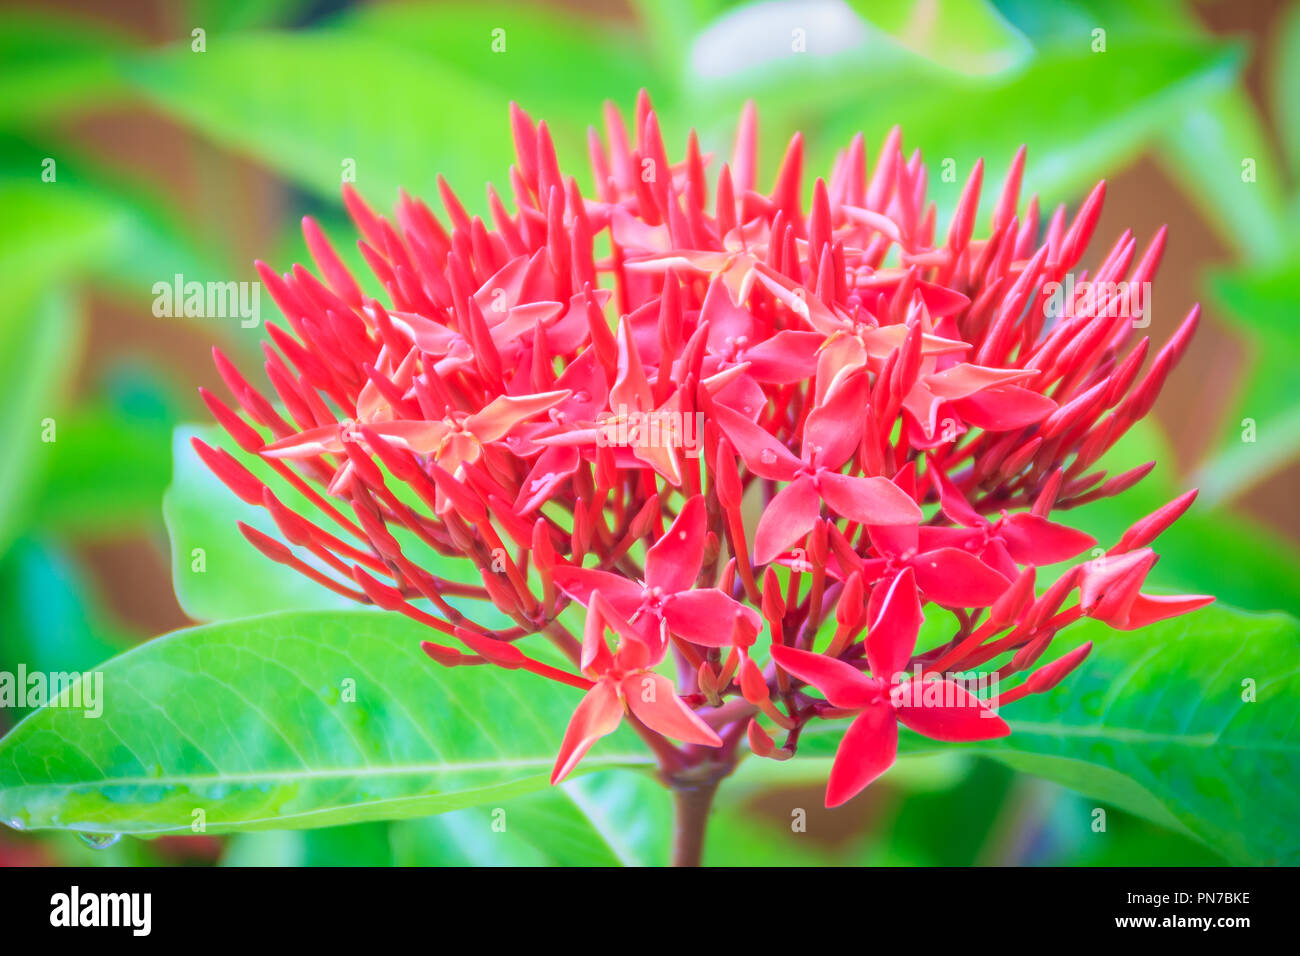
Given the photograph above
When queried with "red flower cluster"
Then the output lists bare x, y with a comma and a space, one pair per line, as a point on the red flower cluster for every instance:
587, 399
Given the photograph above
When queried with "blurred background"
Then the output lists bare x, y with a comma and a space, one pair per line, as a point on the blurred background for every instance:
141, 139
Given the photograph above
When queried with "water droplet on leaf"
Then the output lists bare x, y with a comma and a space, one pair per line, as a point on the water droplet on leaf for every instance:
99, 841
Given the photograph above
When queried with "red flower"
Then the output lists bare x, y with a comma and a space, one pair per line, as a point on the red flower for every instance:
624, 678
667, 600
831, 435
939, 709
596, 429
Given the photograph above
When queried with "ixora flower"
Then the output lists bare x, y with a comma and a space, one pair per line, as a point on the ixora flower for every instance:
890, 419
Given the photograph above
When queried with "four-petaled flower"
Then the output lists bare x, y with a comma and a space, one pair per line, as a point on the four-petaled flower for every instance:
668, 601
622, 679
939, 709
830, 437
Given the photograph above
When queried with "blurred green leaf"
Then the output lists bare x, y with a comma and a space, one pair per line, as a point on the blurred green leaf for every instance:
48, 618
201, 515
1286, 86
51, 64
1156, 722
314, 105
87, 221
1220, 153
1081, 114
1268, 410
225, 16
966, 36
552, 61
107, 471
38, 336
252, 722
1264, 299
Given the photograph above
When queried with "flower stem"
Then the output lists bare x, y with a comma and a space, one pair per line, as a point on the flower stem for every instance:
691, 803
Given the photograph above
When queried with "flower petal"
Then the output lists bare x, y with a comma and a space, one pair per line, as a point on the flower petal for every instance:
788, 517
307, 444
623, 594
868, 749
1149, 608
675, 559
894, 625
956, 578
655, 703
833, 430
1004, 408
1037, 541
506, 411
597, 715
943, 710
420, 437
763, 454
869, 501
550, 471
789, 356
844, 685
708, 616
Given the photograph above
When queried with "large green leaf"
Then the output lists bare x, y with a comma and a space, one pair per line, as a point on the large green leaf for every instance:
1156, 722
608, 818
251, 722
546, 58
966, 36
51, 64
315, 105
1080, 114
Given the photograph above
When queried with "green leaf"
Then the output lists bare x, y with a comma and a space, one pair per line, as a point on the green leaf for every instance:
1263, 298
1157, 723
48, 619
315, 105
37, 336
252, 723
965, 36
1286, 86
1220, 152
85, 486
53, 64
551, 62
1080, 114
608, 818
